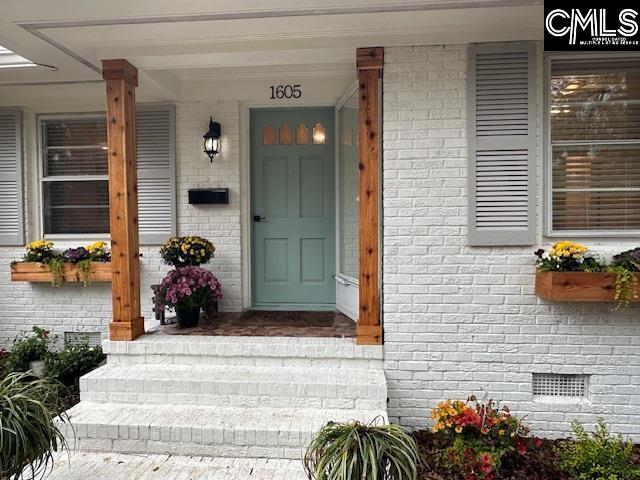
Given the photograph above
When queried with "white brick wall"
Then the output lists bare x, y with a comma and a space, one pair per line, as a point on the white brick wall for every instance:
458, 319
74, 308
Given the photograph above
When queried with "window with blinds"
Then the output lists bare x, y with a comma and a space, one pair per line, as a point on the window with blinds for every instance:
75, 175
594, 111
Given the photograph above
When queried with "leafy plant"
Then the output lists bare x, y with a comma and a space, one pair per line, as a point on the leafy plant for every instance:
71, 363
29, 434
481, 434
626, 286
28, 349
597, 456
355, 451
56, 267
84, 271
626, 265
4, 355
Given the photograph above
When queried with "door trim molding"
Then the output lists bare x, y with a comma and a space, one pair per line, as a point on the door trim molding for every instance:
245, 181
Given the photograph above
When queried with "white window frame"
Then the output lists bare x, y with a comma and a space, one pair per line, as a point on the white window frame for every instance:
42, 178
548, 152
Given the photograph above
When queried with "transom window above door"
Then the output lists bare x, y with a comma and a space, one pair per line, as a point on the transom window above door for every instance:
594, 118
284, 134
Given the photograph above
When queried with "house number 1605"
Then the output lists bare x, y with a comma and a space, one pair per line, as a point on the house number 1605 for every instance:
285, 91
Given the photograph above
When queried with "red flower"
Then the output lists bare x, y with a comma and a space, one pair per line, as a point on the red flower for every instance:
485, 464
537, 442
521, 446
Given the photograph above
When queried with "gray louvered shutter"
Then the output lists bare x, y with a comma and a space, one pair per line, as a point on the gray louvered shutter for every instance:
502, 144
11, 208
155, 146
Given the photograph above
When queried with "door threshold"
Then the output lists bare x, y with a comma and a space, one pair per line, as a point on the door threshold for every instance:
299, 307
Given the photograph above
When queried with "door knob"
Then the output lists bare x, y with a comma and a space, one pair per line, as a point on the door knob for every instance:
258, 218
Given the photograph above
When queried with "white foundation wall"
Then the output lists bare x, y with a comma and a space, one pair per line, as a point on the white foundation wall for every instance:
71, 307
461, 320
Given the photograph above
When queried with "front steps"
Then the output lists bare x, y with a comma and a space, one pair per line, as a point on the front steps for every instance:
225, 397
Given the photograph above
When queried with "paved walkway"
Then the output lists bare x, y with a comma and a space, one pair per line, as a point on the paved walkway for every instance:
110, 466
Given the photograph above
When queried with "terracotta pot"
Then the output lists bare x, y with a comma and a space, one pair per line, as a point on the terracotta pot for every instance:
188, 317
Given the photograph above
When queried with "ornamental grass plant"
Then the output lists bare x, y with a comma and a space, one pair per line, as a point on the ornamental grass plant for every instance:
357, 451
29, 434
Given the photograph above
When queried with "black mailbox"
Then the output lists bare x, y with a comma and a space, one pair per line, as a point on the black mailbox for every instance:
207, 196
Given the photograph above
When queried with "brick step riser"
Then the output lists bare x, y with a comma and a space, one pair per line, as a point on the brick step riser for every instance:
294, 362
156, 447
235, 400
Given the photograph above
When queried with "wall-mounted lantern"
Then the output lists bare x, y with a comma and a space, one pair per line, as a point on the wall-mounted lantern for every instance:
212, 139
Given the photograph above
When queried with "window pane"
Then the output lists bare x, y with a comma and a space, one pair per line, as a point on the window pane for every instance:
574, 210
595, 135
596, 167
595, 100
348, 187
76, 207
77, 161
595, 120
75, 132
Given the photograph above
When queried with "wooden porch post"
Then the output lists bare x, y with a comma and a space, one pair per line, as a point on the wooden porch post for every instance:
122, 79
370, 65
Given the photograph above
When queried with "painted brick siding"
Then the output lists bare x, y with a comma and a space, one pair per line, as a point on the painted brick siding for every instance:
75, 308
461, 320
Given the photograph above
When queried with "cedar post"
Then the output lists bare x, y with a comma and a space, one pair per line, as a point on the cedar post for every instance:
370, 65
122, 79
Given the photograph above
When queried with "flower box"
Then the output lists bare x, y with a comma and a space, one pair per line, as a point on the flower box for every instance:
39, 272
578, 286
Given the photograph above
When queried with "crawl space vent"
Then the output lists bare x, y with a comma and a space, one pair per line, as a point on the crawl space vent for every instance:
558, 385
93, 339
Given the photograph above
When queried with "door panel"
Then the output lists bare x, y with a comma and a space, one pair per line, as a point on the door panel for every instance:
292, 196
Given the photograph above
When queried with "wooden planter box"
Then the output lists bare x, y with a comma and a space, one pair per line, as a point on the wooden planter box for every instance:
577, 286
39, 272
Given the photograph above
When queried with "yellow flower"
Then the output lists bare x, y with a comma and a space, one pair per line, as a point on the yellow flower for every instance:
96, 246
458, 429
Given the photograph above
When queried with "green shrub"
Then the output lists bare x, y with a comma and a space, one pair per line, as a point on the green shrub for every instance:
599, 456
71, 363
28, 348
28, 432
355, 451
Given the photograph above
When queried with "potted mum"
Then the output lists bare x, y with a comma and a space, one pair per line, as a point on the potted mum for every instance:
187, 251
187, 290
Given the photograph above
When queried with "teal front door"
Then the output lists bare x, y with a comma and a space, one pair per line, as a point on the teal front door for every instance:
292, 208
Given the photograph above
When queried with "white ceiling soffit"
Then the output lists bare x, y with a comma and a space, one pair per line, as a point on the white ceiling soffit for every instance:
289, 34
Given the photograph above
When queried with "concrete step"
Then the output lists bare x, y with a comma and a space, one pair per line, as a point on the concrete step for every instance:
244, 351
110, 466
230, 385
175, 429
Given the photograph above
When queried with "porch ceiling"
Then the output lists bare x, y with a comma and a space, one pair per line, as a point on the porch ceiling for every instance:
175, 42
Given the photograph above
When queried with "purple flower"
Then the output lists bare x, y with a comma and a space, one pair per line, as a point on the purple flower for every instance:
187, 287
75, 255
